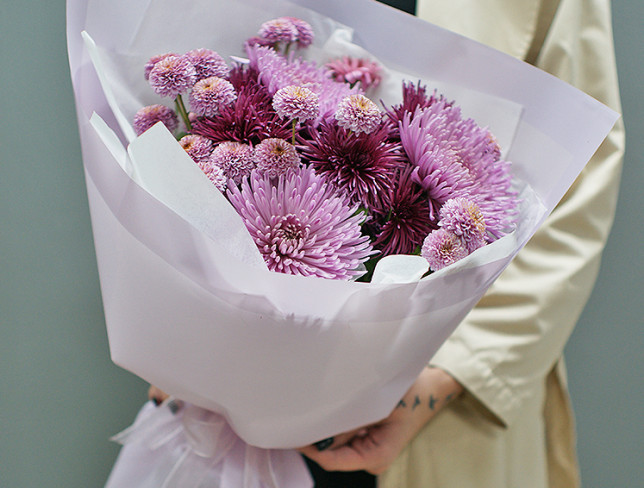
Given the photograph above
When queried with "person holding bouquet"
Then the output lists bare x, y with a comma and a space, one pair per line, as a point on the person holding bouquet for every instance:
492, 409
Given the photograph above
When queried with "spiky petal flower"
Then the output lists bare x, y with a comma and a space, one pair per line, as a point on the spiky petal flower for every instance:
301, 226
234, 158
207, 63
296, 102
209, 95
278, 30
154, 60
355, 70
172, 76
276, 157
361, 166
442, 248
403, 221
463, 218
197, 147
358, 114
150, 115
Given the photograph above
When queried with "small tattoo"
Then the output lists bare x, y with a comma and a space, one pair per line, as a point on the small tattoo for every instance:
448, 397
401, 404
432, 402
416, 402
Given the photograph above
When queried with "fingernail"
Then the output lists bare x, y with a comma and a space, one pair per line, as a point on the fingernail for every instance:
156, 401
324, 444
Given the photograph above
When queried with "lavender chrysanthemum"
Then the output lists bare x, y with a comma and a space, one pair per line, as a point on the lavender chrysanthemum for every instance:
209, 95
464, 219
197, 147
358, 114
301, 226
296, 102
361, 166
150, 115
304, 31
278, 30
172, 76
355, 70
207, 63
442, 248
275, 157
215, 174
154, 60
234, 158
457, 158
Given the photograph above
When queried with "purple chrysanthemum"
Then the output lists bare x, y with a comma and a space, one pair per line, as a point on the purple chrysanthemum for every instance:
355, 70
403, 222
207, 63
278, 30
197, 147
464, 219
442, 248
301, 226
275, 157
304, 31
215, 174
457, 158
358, 114
150, 115
172, 76
361, 166
234, 158
209, 95
413, 97
250, 119
154, 60
296, 102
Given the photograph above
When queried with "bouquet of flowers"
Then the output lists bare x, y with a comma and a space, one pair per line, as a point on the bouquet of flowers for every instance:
286, 165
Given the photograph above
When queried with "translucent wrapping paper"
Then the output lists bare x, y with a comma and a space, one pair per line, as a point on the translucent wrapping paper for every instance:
189, 304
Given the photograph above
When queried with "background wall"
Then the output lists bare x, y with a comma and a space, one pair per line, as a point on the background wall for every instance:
61, 397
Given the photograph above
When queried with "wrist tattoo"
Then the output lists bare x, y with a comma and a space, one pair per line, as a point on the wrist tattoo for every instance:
416, 402
432, 402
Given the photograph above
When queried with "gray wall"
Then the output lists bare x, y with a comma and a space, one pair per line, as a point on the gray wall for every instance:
60, 396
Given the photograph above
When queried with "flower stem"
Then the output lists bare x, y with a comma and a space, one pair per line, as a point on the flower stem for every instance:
181, 108
293, 138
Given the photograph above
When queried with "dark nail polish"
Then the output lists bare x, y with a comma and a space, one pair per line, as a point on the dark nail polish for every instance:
324, 444
156, 401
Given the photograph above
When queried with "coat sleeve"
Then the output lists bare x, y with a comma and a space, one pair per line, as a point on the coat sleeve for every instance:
504, 349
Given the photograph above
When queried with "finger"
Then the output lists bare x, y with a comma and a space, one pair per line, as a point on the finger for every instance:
156, 395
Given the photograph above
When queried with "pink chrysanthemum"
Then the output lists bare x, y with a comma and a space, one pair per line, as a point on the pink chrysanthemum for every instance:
154, 60
278, 30
150, 115
296, 102
362, 166
276, 157
209, 95
215, 174
197, 147
301, 226
172, 76
207, 63
304, 31
358, 114
442, 248
355, 70
464, 219
234, 158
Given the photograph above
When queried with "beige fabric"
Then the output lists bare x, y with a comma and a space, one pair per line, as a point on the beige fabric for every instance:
513, 427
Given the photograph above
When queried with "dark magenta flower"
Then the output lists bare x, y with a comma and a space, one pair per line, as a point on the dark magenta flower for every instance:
355, 70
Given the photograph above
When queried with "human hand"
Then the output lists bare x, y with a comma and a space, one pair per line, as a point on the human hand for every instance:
156, 395
375, 447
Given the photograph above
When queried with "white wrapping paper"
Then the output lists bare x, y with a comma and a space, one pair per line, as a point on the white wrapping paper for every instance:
289, 360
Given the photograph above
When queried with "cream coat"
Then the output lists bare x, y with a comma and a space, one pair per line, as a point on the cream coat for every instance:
513, 426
